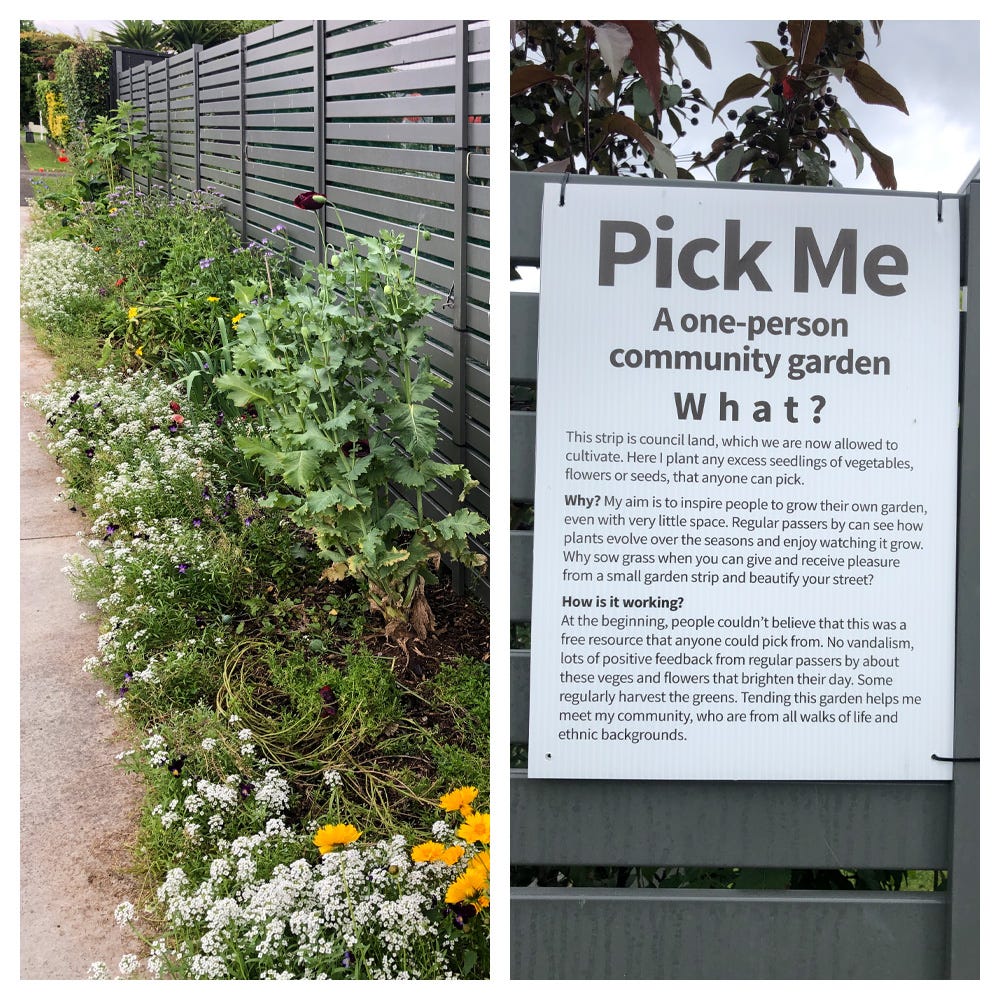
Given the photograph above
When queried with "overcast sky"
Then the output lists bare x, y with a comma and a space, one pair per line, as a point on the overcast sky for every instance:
933, 64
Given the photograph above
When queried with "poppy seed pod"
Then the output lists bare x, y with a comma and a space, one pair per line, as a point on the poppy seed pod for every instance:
310, 200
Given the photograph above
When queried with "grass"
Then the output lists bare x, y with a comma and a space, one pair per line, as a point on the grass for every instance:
43, 160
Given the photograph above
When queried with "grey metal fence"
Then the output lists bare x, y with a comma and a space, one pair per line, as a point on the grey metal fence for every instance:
391, 121
580, 933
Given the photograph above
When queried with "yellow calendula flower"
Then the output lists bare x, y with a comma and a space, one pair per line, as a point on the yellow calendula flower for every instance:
431, 851
328, 837
480, 863
237, 318
138, 352
458, 800
476, 827
133, 313
212, 298
461, 889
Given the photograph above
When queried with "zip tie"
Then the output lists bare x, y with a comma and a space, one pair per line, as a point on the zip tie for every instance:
562, 189
956, 760
940, 204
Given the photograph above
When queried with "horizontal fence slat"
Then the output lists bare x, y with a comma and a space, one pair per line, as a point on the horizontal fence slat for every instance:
588, 934
751, 824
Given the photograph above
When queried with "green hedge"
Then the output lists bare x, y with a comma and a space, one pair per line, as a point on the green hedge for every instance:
83, 77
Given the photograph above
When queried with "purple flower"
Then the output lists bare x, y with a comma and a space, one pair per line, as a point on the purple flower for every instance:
246, 789
182, 568
196, 522
279, 228
205, 262
110, 530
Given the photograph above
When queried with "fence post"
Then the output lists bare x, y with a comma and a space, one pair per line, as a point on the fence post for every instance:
166, 101
145, 78
243, 136
460, 263
964, 873
196, 51
319, 128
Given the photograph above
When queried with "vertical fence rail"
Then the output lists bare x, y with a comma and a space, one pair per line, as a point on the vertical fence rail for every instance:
196, 51
964, 868
580, 933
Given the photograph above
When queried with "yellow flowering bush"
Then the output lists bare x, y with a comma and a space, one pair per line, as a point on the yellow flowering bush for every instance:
55, 114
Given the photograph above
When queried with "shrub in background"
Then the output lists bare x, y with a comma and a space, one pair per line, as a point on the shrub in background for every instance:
83, 77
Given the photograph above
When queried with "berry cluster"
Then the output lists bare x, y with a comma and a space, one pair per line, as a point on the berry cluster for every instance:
801, 112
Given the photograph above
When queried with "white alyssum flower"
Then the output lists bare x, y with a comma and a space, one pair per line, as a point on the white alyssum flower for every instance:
124, 913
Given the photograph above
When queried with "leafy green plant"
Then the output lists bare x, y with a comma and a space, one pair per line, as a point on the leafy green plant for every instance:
119, 147
335, 374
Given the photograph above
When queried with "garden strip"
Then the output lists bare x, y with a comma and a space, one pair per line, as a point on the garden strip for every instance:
78, 810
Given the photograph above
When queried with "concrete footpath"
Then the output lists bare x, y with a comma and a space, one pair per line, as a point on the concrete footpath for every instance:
78, 809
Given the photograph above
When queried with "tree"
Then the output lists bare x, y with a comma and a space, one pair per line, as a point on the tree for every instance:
601, 97
599, 90
182, 35
785, 139
147, 35
39, 50
83, 76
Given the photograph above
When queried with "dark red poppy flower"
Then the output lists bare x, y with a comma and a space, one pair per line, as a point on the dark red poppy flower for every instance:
175, 766
175, 406
119, 283
310, 200
786, 89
